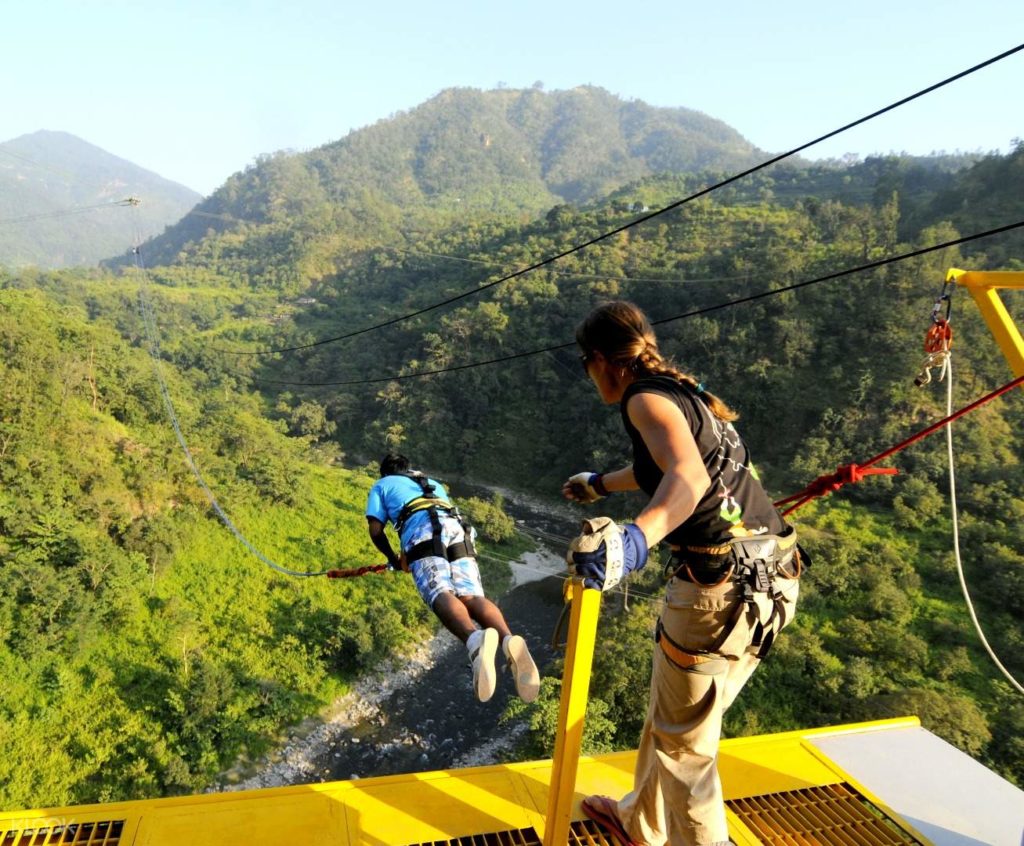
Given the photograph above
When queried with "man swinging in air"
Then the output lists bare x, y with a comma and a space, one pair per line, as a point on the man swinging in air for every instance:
437, 548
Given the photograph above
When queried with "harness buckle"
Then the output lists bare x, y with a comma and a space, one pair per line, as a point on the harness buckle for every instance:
762, 579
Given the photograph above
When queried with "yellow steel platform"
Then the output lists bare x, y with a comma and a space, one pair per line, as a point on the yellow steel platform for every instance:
485, 805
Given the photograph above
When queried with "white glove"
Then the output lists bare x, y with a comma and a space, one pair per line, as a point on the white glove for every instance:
581, 488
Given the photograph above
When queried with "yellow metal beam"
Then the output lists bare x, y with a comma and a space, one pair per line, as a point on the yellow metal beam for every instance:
579, 656
983, 286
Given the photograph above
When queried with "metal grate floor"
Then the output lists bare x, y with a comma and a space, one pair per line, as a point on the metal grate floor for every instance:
834, 815
516, 837
589, 833
102, 833
581, 833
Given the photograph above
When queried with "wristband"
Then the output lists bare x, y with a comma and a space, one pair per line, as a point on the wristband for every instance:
597, 483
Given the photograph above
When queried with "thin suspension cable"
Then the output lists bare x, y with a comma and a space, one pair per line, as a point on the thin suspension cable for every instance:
149, 326
642, 596
956, 536
127, 201
225, 217
568, 274
397, 377
58, 170
642, 219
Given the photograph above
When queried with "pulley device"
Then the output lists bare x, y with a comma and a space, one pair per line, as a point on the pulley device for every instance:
938, 340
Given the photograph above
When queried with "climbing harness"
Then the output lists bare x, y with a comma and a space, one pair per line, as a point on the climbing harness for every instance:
434, 546
692, 662
756, 564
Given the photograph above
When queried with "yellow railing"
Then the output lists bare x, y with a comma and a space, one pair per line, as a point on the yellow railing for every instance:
579, 656
983, 286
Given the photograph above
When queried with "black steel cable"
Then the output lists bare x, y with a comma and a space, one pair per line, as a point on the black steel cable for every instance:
128, 201
551, 259
707, 309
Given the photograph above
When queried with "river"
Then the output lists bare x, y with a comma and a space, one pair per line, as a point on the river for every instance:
420, 713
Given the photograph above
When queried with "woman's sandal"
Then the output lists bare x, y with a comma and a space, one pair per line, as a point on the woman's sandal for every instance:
602, 810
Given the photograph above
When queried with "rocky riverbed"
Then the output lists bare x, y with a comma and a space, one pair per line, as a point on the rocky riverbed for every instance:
419, 713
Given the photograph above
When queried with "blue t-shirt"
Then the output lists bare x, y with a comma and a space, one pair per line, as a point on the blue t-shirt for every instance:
389, 495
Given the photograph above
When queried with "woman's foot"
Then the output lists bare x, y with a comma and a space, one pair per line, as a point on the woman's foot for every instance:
604, 812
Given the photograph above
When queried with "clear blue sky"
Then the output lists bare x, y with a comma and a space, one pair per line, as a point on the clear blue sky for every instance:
196, 89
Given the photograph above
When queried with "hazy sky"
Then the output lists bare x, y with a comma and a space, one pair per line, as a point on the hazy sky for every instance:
196, 89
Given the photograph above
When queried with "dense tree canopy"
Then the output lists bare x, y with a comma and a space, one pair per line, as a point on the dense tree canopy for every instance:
145, 650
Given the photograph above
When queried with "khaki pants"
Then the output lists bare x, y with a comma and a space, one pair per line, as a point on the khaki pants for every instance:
677, 795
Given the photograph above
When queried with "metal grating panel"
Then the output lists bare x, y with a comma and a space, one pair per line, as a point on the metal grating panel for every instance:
589, 833
516, 837
834, 815
55, 833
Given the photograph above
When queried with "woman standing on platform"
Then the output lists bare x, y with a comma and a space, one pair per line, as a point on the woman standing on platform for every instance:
732, 573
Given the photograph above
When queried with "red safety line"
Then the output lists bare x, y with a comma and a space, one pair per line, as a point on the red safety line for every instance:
850, 473
356, 571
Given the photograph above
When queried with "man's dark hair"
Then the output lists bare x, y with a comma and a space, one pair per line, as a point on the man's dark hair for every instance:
393, 464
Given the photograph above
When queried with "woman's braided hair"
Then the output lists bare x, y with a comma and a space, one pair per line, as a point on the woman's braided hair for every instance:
621, 332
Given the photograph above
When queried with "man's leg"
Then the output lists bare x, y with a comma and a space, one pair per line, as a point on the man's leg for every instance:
525, 674
482, 644
454, 615
486, 613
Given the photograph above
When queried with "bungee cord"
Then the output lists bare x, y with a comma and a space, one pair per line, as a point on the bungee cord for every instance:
948, 374
398, 377
643, 218
153, 342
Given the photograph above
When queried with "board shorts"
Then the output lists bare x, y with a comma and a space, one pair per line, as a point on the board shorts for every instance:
435, 575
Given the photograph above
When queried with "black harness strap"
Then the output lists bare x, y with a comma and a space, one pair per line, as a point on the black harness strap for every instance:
754, 563
434, 546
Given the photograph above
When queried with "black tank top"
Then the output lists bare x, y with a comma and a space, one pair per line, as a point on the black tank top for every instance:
735, 505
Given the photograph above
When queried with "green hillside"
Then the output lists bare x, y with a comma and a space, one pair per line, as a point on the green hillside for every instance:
822, 377
144, 648
147, 650
463, 154
56, 192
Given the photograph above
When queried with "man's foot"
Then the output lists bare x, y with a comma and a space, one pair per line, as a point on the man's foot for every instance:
483, 646
524, 670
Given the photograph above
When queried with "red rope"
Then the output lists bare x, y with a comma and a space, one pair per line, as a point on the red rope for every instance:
356, 571
851, 473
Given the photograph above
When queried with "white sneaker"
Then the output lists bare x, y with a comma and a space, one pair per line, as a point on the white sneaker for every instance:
524, 670
482, 647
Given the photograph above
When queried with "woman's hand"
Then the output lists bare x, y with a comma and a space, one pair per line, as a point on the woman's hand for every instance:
598, 484
603, 567
584, 487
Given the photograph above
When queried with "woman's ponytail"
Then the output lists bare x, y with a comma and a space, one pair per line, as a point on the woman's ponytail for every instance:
621, 332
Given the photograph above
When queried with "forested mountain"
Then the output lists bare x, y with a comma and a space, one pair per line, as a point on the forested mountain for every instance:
822, 377
55, 191
459, 155
143, 648
147, 650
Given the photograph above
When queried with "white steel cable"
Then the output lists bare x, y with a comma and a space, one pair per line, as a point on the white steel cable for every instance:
956, 533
